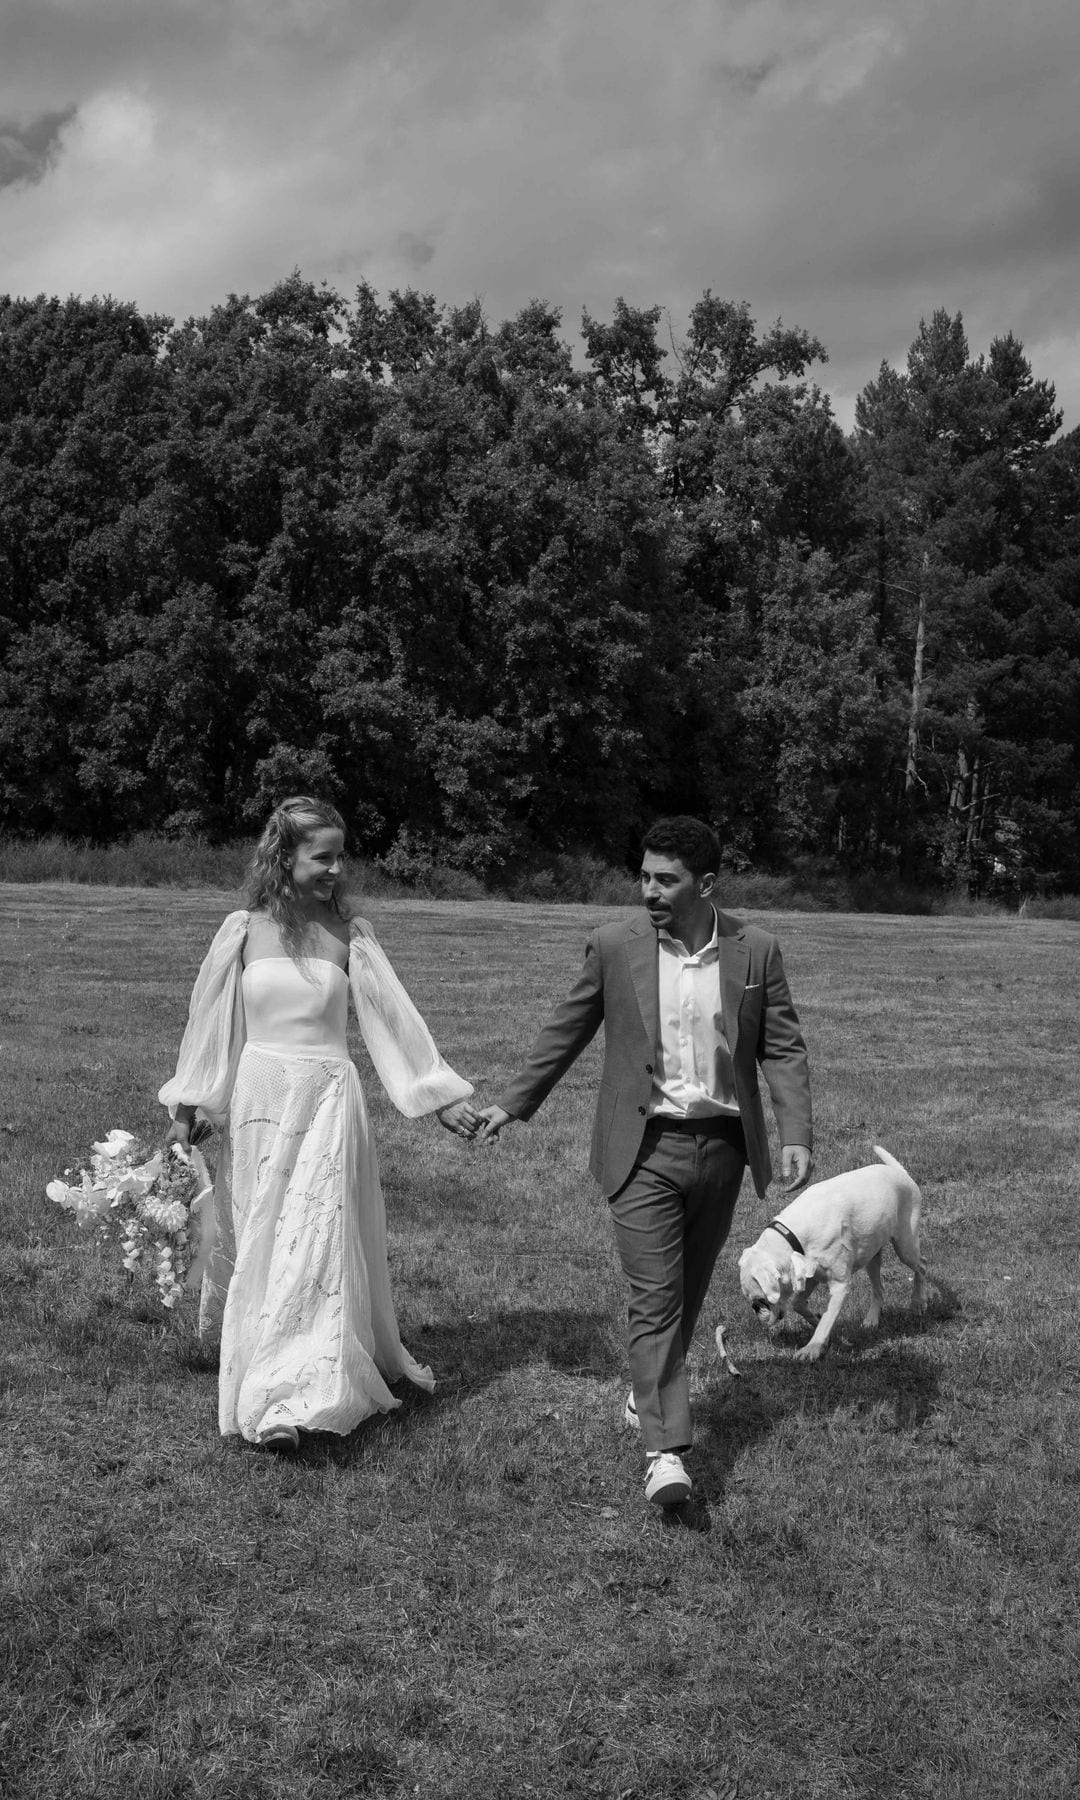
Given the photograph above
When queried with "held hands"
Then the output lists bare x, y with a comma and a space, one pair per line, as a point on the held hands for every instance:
460, 1117
795, 1162
492, 1120
463, 1119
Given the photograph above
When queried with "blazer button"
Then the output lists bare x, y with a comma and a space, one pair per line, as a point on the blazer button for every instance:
648, 1068
641, 1110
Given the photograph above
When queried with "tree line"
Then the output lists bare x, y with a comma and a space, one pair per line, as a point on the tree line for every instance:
502, 601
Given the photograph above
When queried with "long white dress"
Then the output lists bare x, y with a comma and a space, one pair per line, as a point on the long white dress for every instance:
297, 1278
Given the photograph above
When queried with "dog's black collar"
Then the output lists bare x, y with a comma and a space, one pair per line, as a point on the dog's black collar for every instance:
775, 1225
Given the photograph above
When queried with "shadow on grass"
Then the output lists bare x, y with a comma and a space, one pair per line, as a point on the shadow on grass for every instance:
869, 1374
896, 1388
470, 1353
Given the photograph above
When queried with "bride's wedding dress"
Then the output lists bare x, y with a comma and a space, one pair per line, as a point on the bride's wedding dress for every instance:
297, 1278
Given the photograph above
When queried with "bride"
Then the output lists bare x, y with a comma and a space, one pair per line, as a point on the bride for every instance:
297, 1277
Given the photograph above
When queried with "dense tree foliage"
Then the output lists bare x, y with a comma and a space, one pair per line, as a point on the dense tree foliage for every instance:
502, 602
973, 561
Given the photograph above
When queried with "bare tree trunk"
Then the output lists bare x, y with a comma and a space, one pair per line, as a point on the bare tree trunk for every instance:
975, 813
957, 817
918, 697
958, 788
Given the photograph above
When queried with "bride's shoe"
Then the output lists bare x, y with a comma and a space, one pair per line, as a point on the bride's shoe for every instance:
279, 1437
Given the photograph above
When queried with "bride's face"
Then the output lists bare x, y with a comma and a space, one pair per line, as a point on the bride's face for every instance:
318, 860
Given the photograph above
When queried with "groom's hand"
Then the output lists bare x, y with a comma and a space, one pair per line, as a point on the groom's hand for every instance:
492, 1120
795, 1163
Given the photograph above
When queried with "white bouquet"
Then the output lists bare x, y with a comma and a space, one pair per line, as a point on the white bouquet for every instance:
149, 1203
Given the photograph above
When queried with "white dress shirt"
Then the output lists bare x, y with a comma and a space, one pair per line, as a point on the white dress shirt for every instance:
692, 1076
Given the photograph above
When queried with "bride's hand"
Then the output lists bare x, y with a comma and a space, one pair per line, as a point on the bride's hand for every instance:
179, 1132
187, 1131
460, 1117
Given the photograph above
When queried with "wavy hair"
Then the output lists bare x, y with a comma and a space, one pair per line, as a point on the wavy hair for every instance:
694, 843
268, 884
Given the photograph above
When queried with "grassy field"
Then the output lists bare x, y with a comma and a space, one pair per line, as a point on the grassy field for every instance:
875, 1596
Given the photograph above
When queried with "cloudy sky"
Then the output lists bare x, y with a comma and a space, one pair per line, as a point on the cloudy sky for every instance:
847, 164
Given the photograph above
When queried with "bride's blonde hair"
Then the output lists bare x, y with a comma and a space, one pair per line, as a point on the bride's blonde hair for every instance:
268, 885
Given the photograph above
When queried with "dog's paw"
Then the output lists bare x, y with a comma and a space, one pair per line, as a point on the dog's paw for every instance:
808, 1352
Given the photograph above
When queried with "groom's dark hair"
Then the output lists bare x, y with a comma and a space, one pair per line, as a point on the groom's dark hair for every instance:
694, 843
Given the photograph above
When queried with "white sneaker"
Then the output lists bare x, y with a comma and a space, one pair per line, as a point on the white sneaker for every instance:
666, 1481
630, 1413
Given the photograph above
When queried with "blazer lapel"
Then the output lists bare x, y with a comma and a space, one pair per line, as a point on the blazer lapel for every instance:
641, 953
734, 968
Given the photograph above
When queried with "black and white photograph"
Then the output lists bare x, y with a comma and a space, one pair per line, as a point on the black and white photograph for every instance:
539, 899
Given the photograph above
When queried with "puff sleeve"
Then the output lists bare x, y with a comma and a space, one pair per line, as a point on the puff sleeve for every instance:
399, 1043
214, 1037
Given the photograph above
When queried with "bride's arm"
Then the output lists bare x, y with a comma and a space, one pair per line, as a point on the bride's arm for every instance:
399, 1043
214, 1036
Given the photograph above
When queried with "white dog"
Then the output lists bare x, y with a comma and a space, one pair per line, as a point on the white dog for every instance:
829, 1232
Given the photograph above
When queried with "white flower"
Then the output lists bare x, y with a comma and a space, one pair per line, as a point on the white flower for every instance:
137, 1181
87, 1201
117, 1144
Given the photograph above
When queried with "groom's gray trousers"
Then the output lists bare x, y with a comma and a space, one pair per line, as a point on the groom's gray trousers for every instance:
671, 1218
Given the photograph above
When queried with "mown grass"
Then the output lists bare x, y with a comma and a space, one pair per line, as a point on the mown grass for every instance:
875, 1595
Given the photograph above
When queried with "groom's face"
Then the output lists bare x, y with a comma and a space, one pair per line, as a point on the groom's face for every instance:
673, 895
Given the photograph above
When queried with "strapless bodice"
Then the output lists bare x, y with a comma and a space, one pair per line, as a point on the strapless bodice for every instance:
296, 1007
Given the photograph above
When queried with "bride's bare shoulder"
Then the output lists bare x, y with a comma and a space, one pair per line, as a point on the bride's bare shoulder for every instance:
262, 930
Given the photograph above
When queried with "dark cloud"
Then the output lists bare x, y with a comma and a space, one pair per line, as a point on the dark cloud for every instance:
417, 251
848, 164
27, 150
745, 78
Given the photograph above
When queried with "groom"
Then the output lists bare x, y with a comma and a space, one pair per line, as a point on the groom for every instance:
691, 1003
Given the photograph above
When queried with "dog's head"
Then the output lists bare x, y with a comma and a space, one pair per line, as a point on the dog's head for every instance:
771, 1283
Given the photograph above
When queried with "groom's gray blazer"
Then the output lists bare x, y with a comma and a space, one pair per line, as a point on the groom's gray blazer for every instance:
619, 985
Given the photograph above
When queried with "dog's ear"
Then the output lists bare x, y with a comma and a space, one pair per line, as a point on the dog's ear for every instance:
802, 1271
756, 1271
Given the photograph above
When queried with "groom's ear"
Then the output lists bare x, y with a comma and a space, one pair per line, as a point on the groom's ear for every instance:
706, 884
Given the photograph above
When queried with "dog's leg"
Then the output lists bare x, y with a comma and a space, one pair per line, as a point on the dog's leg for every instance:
911, 1255
811, 1351
877, 1294
909, 1249
799, 1303
800, 1309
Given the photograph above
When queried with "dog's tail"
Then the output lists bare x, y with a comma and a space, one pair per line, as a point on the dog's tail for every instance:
883, 1156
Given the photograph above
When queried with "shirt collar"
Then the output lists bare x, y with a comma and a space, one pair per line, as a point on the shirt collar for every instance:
680, 948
